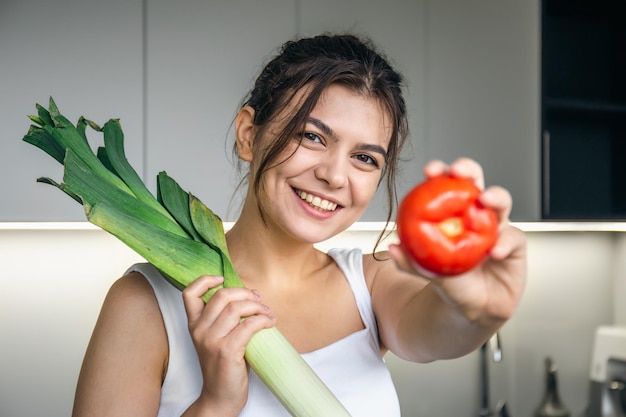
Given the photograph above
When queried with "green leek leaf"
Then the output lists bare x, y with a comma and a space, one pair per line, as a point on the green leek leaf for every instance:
176, 201
80, 180
44, 141
114, 146
44, 114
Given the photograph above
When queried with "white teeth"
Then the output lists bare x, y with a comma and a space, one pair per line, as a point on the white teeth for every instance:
316, 201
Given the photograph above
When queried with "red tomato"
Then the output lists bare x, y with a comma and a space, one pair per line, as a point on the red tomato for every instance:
444, 228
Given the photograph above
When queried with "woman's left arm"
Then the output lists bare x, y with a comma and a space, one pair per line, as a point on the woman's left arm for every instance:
424, 319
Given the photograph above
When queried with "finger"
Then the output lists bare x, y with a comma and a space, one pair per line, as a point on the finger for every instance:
192, 295
243, 332
222, 298
500, 200
406, 264
435, 168
399, 257
468, 168
233, 314
510, 240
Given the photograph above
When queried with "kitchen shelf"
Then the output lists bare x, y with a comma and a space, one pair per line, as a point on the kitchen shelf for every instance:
542, 226
584, 106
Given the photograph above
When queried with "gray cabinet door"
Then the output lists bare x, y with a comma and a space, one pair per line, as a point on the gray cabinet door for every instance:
482, 92
398, 28
88, 56
202, 59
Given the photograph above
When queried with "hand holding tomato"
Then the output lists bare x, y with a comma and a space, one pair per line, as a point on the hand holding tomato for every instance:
453, 226
443, 226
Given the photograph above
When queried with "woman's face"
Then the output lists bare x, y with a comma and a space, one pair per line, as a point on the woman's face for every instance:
328, 181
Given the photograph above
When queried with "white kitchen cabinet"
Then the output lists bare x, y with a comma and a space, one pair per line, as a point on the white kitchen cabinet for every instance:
202, 58
175, 74
87, 55
482, 92
472, 71
398, 28
471, 67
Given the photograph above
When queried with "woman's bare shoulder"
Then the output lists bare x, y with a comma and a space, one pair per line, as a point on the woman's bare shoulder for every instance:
130, 313
382, 273
132, 286
374, 263
131, 305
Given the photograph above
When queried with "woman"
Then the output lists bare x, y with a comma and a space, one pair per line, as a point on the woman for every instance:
321, 129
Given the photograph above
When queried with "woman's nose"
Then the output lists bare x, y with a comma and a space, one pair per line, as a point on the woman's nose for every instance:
332, 171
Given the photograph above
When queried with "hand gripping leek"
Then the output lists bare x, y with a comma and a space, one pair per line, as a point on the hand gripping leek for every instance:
175, 232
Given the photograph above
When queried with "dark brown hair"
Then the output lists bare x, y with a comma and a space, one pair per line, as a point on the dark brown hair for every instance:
316, 63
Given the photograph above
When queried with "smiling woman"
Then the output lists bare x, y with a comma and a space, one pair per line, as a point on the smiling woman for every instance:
321, 129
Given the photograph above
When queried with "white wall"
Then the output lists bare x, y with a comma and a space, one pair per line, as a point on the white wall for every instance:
52, 283
51, 286
619, 277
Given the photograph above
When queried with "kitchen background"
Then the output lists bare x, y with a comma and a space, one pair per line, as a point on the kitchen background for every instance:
174, 73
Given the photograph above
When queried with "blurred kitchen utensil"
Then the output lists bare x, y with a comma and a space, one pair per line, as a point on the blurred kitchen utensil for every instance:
607, 373
551, 405
494, 345
502, 410
617, 394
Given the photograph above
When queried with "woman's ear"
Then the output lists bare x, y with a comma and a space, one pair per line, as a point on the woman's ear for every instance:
244, 133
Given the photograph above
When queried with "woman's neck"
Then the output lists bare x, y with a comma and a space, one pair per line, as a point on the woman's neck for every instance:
260, 252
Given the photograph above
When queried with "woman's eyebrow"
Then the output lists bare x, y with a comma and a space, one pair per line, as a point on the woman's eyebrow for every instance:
328, 131
372, 148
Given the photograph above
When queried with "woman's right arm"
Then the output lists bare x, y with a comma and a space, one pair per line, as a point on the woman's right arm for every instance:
127, 355
126, 360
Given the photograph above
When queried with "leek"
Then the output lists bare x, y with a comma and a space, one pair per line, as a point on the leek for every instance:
175, 232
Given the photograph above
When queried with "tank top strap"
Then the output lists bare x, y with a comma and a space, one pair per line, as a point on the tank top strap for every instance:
350, 261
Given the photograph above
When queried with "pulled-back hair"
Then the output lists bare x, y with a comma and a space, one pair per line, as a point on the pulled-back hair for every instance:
315, 63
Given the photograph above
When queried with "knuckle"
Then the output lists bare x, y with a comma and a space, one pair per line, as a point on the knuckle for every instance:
252, 324
221, 295
195, 332
230, 309
187, 292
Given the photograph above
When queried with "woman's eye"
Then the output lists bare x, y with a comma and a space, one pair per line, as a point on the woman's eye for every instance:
366, 159
312, 137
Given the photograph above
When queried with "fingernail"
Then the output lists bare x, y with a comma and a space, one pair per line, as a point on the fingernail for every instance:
256, 293
214, 277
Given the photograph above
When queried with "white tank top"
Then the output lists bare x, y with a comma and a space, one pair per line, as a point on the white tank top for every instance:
352, 367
